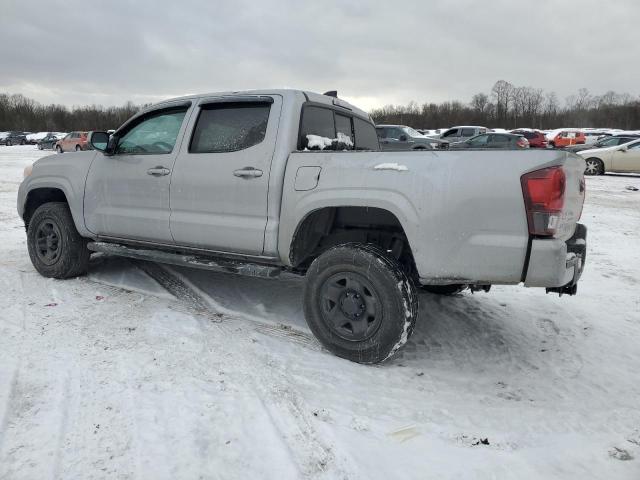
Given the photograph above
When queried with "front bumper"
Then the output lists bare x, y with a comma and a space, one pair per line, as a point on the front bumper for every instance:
558, 265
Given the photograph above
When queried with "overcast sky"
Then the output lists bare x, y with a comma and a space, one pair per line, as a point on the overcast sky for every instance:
373, 53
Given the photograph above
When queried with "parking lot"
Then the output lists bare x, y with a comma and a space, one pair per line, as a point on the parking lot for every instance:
161, 372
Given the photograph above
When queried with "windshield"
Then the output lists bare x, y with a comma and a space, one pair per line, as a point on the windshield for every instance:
411, 132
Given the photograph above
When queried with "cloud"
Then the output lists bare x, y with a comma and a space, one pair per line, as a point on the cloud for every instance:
373, 52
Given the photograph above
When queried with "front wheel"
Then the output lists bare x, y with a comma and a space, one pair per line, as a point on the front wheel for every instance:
78, 148
58, 149
594, 166
55, 247
40, 147
359, 303
8, 143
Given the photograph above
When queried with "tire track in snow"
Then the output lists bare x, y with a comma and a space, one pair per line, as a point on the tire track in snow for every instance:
200, 304
285, 408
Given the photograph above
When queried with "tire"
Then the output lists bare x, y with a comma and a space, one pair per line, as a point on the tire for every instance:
58, 149
552, 144
55, 247
8, 144
22, 142
40, 147
78, 148
338, 284
446, 290
594, 166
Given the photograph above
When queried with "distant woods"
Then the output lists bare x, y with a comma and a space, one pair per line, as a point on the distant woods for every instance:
18, 112
505, 106
508, 106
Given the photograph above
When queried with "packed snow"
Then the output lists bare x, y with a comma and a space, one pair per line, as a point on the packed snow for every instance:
391, 166
151, 372
318, 142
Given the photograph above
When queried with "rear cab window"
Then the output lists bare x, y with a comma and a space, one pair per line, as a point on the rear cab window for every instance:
323, 128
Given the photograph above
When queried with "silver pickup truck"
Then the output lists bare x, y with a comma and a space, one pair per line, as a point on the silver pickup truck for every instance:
266, 182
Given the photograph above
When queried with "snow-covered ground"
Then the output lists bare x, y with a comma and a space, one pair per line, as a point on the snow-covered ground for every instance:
148, 372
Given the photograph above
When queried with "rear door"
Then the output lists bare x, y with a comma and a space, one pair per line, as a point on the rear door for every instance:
127, 194
221, 177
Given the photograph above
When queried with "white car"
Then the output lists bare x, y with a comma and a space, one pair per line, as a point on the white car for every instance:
621, 158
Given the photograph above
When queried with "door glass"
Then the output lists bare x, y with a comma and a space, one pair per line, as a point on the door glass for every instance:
229, 127
451, 133
467, 132
155, 134
479, 141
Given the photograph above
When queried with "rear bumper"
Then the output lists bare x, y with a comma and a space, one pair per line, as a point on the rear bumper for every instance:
557, 265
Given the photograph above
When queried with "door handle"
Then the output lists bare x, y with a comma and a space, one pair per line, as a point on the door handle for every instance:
248, 172
158, 171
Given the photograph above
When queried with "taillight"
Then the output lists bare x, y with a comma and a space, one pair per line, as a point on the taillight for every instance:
543, 192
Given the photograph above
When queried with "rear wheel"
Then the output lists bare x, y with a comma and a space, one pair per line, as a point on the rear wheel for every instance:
55, 247
22, 142
58, 149
8, 143
78, 148
594, 166
40, 147
359, 302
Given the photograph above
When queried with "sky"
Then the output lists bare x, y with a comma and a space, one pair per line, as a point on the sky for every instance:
373, 53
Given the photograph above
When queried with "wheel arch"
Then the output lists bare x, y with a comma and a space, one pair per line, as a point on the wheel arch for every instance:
331, 225
39, 196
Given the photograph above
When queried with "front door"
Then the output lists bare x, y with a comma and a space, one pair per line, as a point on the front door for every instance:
221, 176
127, 194
629, 160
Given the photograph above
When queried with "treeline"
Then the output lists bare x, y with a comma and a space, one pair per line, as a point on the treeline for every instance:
18, 112
508, 106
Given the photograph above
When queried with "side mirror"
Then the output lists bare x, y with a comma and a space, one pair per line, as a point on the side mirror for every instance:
100, 141
403, 138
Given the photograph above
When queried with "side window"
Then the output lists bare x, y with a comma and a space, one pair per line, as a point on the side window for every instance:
635, 146
380, 132
479, 141
499, 139
366, 138
467, 132
154, 134
451, 133
394, 133
317, 122
229, 127
344, 132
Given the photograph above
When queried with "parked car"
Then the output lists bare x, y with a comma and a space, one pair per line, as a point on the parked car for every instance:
493, 141
14, 138
227, 182
565, 138
536, 138
401, 137
48, 142
620, 158
73, 142
605, 142
592, 136
458, 134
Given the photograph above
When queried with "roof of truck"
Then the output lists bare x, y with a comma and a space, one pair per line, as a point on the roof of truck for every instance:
284, 92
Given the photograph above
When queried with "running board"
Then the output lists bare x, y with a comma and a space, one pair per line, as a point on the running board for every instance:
195, 261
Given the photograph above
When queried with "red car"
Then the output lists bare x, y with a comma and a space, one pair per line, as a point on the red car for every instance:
73, 142
536, 138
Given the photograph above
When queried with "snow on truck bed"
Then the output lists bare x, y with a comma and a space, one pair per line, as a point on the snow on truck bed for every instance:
141, 371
